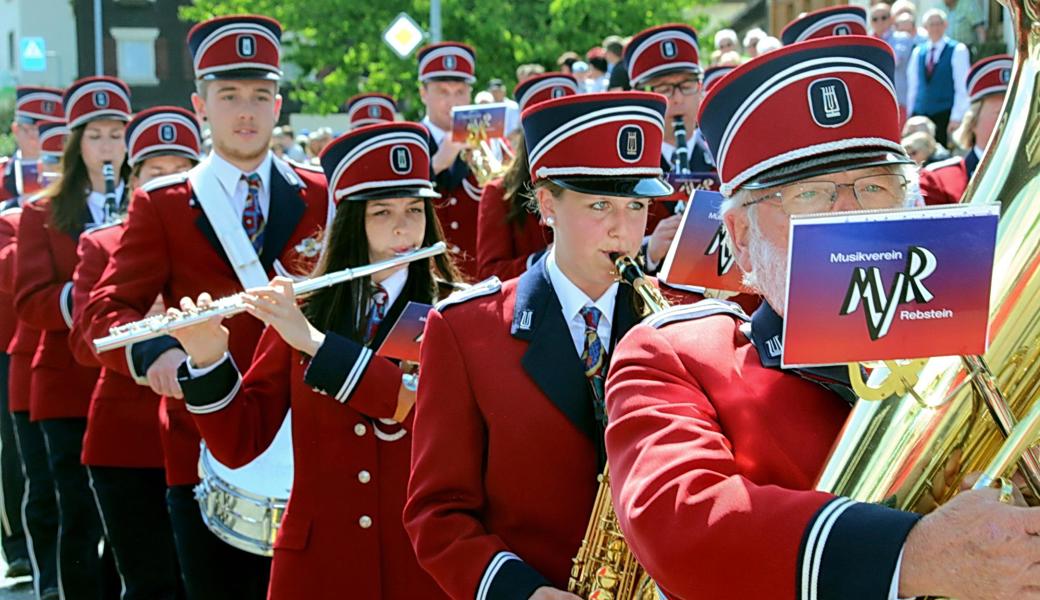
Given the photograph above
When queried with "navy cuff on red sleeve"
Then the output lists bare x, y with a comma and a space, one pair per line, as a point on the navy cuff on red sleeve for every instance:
143, 354
213, 391
850, 550
509, 578
337, 366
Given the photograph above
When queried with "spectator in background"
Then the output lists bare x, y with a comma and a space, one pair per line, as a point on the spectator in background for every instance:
751, 40
967, 21
768, 44
904, 18
564, 64
725, 41
580, 70
596, 80
497, 90
902, 45
283, 142
483, 97
937, 76
920, 146
317, 141
924, 125
614, 47
729, 59
527, 71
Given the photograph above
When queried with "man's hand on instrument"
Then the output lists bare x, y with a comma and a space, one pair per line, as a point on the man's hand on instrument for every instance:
661, 238
446, 154
548, 593
162, 375
974, 547
205, 342
275, 305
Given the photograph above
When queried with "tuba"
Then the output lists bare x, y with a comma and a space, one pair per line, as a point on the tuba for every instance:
605, 568
920, 428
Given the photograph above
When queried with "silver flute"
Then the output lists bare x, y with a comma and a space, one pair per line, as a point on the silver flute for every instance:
160, 325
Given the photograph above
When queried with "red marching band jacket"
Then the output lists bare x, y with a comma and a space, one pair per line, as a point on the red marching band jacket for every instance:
710, 440
22, 345
944, 182
505, 249
342, 528
457, 212
505, 457
46, 257
123, 420
9, 212
169, 248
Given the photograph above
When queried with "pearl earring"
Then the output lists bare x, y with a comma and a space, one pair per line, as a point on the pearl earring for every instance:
550, 221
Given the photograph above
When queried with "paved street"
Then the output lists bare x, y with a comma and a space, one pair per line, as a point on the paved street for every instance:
15, 589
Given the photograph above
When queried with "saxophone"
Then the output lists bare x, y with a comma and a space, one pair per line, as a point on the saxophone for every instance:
910, 444
605, 568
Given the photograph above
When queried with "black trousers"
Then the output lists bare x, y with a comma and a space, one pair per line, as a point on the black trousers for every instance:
211, 568
79, 532
132, 503
942, 121
12, 482
39, 504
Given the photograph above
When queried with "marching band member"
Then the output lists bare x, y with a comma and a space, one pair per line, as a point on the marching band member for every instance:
665, 60
126, 471
712, 75
713, 447
509, 236
97, 109
342, 529
370, 108
826, 22
242, 197
446, 76
512, 373
944, 182
34, 106
39, 505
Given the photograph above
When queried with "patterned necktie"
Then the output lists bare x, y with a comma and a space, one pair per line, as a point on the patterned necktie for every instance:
252, 218
377, 311
930, 67
594, 359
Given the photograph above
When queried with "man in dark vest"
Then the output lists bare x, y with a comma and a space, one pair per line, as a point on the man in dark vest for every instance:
936, 77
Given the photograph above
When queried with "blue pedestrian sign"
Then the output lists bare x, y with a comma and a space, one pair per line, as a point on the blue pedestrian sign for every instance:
34, 54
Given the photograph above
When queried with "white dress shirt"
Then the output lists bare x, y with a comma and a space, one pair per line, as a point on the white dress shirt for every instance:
961, 63
572, 300
435, 132
235, 187
96, 203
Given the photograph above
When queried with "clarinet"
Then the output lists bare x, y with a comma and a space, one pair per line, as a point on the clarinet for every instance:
681, 157
111, 203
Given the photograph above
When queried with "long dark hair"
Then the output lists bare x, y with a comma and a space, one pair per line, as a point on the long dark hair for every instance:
69, 193
343, 308
517, 184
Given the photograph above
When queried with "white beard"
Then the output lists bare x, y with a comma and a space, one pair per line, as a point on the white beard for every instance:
768, 275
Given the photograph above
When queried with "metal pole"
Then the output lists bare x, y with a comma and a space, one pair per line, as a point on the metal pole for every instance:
99, 48
435, 21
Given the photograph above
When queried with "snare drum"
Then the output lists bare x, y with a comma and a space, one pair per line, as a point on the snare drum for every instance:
244, 506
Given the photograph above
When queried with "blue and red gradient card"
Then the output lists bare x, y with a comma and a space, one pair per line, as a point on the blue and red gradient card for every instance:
888, 285
699, 256
478, 121
402, 343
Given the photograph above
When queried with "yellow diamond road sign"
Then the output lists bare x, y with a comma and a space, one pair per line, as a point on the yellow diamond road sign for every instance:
403, 35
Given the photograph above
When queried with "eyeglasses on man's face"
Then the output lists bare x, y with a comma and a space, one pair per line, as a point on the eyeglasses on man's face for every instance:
872, 192
686, 88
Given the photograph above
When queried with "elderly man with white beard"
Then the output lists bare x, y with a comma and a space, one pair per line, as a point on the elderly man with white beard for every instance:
713, 447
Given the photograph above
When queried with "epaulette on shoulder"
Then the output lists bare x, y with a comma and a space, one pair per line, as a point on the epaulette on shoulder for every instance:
102, 226
11, 210
165, 181
305, 166
942, 164
697, 310
489, 286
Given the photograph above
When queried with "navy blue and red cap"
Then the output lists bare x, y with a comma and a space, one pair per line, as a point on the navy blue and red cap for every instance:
93, 98
990, 76
34, 103
833, 20
163, 131
812, 108
662, 50
605, 144
544, 87
712, 75
52, 140
385, 160
236, 47
369, 109
447, 61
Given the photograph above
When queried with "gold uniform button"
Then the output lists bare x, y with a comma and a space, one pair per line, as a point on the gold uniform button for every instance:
365, 521
364, 477
360, 429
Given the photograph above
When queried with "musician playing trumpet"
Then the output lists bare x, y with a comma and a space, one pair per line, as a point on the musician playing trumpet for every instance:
714, 449
351, 409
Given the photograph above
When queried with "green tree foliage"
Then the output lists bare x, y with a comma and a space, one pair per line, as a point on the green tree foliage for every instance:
338, 49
